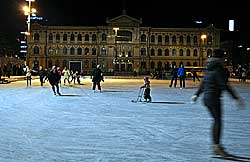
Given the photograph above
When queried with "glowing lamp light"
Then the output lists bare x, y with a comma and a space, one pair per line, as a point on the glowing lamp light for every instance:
203, 36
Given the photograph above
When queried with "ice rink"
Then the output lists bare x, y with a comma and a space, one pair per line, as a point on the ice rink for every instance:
83, 126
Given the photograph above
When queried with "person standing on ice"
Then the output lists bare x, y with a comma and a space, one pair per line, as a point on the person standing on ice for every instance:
97, 77
147, 90
212, 86
54, 79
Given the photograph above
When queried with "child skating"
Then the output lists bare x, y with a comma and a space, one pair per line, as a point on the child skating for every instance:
146, 85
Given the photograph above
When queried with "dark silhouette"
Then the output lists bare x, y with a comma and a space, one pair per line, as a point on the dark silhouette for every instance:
97, 77
174, 76
213, 84
54, 79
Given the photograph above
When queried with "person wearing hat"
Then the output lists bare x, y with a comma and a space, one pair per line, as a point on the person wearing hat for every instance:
146, 85
215, 81
97, 77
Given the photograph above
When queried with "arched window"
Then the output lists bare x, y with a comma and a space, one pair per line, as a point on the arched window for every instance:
195, 52
152, 52
65, 64
209, 40
159, 65
50, 37
209, 53
181, 52
188, 52
93, 63
65, 37
159, 39
167, 39
36, 50
72, 38
50, 63
50, 51
174, 39
188, 40
152, 65
143, 65
166, 52
152, 40
181, 39
159, 52
93, 51
65, 51
57, 37
57, 63
195, 40
86, 51
188, 63
104, 37
36, 36
86, 38
93, 37
174, 52
143, 38
57, 51
129, 54
79, 37
72, 51
86, 63
195, 64
143, 51
79, 51
103, 51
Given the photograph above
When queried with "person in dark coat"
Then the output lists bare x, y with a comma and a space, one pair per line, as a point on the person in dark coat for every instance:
212, 86
41, 74
194, 74
174, 76
97, 77
54, 79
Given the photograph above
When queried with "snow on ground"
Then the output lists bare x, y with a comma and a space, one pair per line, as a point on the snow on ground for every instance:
82, 126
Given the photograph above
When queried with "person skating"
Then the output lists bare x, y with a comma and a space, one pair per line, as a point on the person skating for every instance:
212, 86
66, 74
174, 76
54, 79
146, 85
194, 75
28, 76
41, 74
97, 77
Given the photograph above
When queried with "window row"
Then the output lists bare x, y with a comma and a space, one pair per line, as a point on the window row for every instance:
71, 37
71, 51
166, 66
167, 52
174, 39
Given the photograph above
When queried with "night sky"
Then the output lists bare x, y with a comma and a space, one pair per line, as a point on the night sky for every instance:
154, 13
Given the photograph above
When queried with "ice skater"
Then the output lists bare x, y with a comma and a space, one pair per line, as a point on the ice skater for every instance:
174, 76
212, 86
54, 79
97, 77
146, 85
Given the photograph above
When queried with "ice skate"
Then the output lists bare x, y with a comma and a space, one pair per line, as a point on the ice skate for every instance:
219, 150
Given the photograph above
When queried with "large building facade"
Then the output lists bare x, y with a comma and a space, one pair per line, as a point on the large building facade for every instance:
121, 47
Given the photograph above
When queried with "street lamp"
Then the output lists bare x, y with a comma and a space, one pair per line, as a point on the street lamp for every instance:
203, 37
115, 29
28, 11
